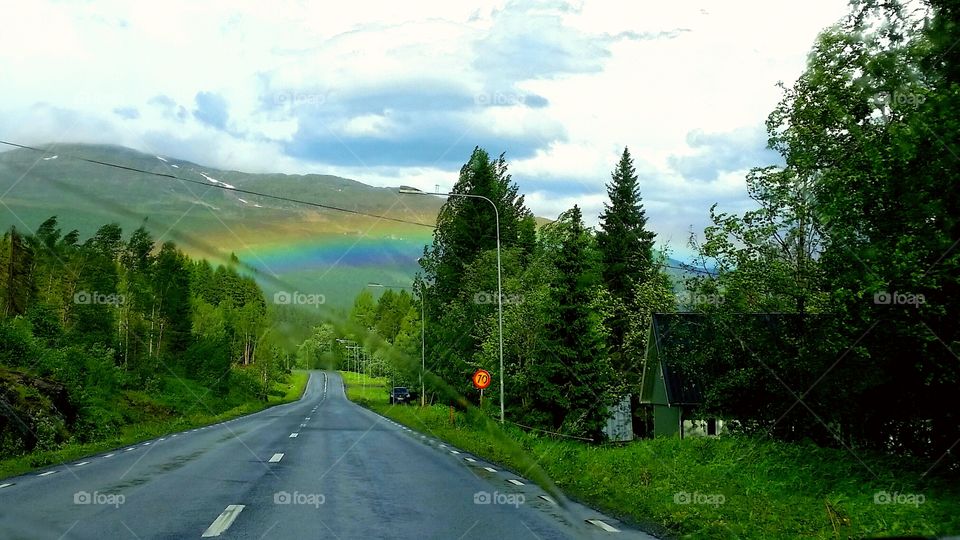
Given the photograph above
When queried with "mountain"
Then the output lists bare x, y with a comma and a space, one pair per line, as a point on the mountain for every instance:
293, 247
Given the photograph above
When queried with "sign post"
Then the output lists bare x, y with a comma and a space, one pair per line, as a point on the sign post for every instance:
481, 380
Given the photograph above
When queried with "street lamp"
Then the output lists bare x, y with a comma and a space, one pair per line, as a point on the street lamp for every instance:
355, 348
423, 339
406, 190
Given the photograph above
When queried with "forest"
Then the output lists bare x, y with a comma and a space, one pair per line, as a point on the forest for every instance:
111, 331
851, 244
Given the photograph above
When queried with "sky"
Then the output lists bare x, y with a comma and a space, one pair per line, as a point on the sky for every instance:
398, 93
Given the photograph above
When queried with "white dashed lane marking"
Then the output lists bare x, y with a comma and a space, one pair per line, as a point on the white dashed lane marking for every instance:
276, 458
489, 469
514, 482
46, 473
602, 525
294, 435
5, 485
223, 521
81, 464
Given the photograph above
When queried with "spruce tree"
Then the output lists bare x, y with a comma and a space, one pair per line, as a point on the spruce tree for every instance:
574, 374
626, 246
626, 251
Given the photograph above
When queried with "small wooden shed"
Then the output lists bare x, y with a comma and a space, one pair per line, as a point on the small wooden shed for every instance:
672, 393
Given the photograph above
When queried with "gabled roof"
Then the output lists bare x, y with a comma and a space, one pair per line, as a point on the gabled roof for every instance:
666, 330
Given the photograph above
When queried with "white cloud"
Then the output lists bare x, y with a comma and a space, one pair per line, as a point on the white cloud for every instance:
573, 84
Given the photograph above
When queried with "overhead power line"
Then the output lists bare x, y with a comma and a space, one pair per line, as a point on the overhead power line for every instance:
169, 176
233, 189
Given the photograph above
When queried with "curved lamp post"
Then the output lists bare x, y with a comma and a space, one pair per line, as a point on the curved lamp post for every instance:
405, 190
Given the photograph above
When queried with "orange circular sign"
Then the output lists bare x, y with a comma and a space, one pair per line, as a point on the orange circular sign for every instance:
481, 379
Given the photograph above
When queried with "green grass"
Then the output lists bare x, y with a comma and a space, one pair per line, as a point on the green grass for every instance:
367, 391
292, 389
744, 487
201, 413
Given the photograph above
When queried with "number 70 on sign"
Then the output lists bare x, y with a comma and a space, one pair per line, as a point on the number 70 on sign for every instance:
481, 379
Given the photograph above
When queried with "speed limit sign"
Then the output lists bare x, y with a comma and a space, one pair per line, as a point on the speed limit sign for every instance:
481, 379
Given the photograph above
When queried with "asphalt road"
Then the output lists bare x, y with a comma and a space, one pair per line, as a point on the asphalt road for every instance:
322, 467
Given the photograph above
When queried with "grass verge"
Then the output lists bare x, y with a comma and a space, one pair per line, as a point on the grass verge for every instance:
202, 414
729, 487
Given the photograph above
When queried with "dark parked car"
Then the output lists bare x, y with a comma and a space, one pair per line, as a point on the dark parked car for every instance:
400, 394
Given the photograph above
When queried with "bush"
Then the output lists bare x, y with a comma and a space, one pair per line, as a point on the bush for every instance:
17, 346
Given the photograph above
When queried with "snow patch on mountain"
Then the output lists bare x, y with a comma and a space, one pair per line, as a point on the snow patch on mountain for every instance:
215, 181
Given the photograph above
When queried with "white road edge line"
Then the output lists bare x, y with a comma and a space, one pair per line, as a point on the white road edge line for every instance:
514, 482
276, 458
46, 473
294, 435
602, 525
223, 521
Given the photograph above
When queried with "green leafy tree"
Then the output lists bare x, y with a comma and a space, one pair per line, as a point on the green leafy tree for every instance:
364, 312
172, 286
18, 280
767, 259
573, 372
461, 262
